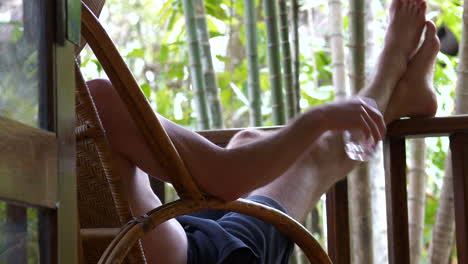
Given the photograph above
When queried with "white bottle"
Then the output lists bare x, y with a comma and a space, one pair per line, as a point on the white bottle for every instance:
357, 147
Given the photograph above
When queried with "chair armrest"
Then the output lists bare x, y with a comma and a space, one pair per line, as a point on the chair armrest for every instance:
433, 126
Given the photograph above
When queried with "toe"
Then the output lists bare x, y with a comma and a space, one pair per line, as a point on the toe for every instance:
395, 5
430, 29
426, 55
423, 8
432, 41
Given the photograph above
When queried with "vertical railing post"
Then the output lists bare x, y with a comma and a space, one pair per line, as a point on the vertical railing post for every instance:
397, 203
338, 223
459, 148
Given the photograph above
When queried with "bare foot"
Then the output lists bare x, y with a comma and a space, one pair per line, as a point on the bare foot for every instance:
414, 95
407, 19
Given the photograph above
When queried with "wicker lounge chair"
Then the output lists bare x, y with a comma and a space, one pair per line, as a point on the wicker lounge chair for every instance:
103, 206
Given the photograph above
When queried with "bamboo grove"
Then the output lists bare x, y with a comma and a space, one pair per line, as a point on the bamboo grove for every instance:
203, 76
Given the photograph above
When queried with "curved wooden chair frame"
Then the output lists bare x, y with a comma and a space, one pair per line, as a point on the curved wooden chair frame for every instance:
192, 199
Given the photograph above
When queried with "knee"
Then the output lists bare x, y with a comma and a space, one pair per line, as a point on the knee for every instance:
107, 102
243, 137
103, 94
99, 86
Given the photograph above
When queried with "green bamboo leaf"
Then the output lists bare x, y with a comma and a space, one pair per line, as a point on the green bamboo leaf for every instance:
173, 19
214, 9
16, 34
98, 65
223, 58
146, 90
163, 54
136, 53
176, 71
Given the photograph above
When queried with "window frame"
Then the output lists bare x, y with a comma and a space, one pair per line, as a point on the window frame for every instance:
41, 163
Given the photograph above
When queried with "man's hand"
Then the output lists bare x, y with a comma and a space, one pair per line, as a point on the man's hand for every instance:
354, 114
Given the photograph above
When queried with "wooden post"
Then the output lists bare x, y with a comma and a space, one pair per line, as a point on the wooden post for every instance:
397, 202
459, 148
48, 236
338, 223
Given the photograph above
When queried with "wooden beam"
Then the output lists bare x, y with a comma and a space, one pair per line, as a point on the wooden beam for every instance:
28, 164
397, 201
459, 148
433, 126
47, 236
67, 214
338, 223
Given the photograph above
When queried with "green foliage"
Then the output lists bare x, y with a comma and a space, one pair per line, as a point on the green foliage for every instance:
429, 220
31, 237
19, 86
448, 13
157, 54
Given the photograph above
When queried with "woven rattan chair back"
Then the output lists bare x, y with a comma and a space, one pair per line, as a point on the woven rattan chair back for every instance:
102, 204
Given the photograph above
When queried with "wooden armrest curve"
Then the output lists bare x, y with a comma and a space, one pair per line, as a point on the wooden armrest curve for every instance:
134, 230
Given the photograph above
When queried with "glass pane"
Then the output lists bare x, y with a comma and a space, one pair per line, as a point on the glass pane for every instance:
22, 63
19, 235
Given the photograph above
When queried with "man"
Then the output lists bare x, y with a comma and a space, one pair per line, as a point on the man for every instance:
288, 169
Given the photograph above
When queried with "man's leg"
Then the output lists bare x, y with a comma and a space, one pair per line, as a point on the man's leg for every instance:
167, 243
303, 184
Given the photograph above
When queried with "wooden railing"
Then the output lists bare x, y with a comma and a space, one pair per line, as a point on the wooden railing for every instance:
455, 127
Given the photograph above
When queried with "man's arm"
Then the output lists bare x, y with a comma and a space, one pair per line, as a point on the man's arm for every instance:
230, 173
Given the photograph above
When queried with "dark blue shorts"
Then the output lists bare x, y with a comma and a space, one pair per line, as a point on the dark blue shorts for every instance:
217, 236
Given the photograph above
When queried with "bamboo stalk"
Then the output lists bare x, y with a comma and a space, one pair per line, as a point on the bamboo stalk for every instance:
296, 54
337, 49
443, 235
377, 187
274, 62
416, 198
357, 45
287, 67
444, 226
359, 184
195, 65
250, 18
209, 75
